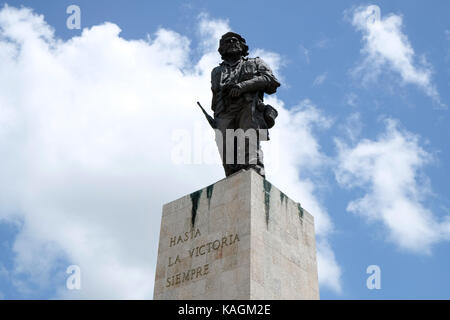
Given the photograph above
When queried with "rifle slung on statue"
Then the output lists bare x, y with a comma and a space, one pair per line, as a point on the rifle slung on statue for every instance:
210, 119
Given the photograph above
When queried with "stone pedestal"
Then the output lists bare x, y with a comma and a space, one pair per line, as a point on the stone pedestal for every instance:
240, 238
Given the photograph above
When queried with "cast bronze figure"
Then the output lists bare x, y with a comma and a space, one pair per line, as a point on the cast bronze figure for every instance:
238, 85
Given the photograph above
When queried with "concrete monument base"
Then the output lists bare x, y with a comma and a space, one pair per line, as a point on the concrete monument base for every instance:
240, 238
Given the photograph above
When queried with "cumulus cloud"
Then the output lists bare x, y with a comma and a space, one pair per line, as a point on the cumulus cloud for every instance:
352, 126
274, 60
295, 131
211, 30
87, 141
389, 171
386, 47
329, 270
294, 164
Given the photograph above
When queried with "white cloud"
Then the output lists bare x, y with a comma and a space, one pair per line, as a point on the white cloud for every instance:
329, 270
386, 46
293, 157
211, 30
323, 42
295, 132
3, 271
87, 143
305, 52
320, 79
352, 126
351, 99
389, 171
273, 59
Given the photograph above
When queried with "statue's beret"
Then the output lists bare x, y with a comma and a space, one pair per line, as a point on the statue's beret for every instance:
232, 34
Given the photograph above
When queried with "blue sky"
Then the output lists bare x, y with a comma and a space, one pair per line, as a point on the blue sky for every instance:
369, 150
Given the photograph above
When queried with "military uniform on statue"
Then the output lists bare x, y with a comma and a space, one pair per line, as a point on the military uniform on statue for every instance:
238, 85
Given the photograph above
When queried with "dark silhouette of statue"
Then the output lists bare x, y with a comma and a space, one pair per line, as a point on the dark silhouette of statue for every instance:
238, 85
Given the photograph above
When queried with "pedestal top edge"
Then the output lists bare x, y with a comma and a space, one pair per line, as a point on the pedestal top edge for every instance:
253, 174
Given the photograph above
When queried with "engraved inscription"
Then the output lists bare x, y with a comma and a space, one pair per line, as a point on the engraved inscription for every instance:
205, 248
187, 275
189, 235
213, 245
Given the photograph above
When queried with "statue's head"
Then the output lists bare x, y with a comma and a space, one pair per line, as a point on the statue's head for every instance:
232, 45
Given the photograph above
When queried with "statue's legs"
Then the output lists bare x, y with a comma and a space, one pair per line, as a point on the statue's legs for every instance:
246, 148
253, 153
223, 123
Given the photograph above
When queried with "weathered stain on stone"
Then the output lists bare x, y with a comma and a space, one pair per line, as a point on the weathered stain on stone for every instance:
282, 196
267, 187
209, 192
300, 211
195, 197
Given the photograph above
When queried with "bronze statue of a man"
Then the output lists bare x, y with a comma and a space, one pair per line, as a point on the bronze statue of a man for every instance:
238, 85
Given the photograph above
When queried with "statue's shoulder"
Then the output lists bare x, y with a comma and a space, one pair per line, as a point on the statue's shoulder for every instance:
215, 72
257, 62
254, 60
215, 77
